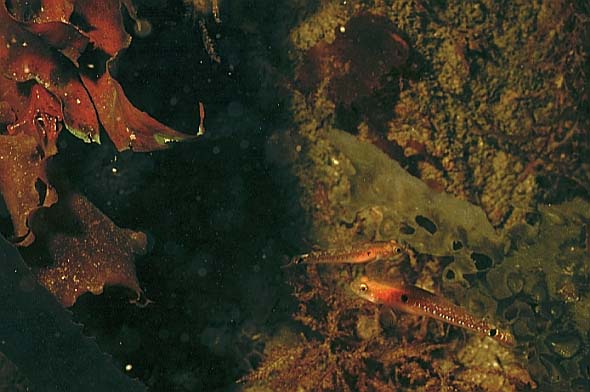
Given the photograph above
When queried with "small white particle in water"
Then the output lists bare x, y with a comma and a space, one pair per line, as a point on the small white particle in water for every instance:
216, 150
114, 170
25, 44
298, 148
90, 66
342, 29
128, 367
78, 101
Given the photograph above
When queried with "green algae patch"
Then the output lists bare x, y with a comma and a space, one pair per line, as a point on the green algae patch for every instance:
432, 222
543, 287
559, 251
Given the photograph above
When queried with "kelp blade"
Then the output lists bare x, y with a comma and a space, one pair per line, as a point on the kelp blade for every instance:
38, 335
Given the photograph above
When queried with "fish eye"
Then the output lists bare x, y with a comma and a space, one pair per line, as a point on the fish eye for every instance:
493, 332
404, 298
363, 287
397, 250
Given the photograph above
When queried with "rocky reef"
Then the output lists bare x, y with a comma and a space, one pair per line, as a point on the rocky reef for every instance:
457, 151
458, 129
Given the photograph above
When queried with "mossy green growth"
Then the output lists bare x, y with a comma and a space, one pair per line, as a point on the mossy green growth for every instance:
560, 255
543, 288
495, 72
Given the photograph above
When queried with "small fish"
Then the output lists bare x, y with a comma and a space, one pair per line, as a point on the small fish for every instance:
414, 300
358, 254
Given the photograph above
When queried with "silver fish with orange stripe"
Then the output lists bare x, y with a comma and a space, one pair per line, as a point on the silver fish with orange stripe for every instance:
414, 300
358, 254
